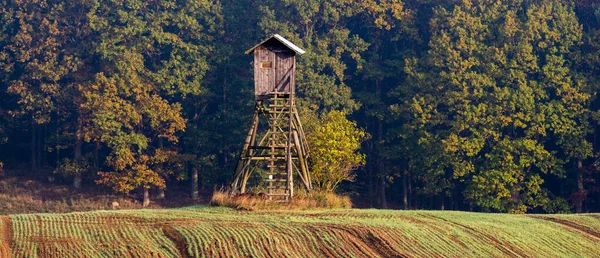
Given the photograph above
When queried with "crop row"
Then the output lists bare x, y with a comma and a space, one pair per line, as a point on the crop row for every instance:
206, 232
82, 234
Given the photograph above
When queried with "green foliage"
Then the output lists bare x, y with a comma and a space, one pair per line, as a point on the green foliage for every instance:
318, 27
35, 59
150, 52
483, 104
497, 86
557, 205
334, 146
68, 167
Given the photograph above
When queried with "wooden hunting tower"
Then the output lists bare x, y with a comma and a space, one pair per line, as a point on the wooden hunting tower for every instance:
281, 146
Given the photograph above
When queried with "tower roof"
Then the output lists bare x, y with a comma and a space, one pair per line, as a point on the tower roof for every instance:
281, 39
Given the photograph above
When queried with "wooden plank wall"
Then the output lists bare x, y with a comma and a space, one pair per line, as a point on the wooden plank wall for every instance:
281, 76
284, 71
264, 78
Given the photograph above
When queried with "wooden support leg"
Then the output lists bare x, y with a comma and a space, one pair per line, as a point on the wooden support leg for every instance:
278, 147
301, 134
289, 147
303, 166
242, 165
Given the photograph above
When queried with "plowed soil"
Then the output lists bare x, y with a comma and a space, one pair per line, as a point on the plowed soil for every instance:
5, 237
222, 232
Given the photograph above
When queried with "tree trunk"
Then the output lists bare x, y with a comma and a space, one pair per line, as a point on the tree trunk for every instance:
370, 173
580, 190
57, 155
57, 144
443, 205
96, 158
42, 147
595, 138
371, 191
146, 200
194, 183
39, 147
379, 161
77, 181
78, 153
597, 208
78, 157
33, 145
370, 162
382, 196
161, 194
225, 96
201, 185
410, 195
405, 190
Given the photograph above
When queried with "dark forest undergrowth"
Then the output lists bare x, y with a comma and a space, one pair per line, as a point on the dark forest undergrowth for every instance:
35, 195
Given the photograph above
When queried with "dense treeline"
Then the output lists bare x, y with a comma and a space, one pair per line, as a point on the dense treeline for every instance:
475, 105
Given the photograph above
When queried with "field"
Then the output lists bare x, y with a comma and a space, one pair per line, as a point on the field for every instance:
223, 232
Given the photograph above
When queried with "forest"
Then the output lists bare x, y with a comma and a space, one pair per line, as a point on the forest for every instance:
475, 105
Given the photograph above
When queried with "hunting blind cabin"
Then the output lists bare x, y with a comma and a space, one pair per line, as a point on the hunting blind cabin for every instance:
276, 140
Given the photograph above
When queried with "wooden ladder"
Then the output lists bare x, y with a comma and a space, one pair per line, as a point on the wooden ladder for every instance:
278, 185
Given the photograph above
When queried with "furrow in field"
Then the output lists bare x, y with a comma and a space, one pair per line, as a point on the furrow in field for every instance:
306, 244
6, 237
225, 249
382, 242
264, 241
219, 247
404, 243
258, 241
287, 246
574, 226
210, 240
303, 237
236, 243
25, 227
199, 240
178, 239
352, 233
504, 247
355, 243
248, 240
326, 247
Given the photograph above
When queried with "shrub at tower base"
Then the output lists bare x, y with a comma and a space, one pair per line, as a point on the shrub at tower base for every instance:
301, 201
335, 143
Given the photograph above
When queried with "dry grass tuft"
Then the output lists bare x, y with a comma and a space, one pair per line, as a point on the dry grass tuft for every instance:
301, 201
